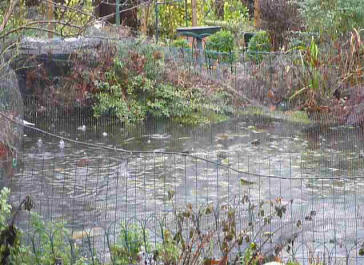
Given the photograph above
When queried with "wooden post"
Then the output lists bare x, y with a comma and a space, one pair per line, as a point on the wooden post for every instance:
256, 13
156, 22
145, 17
186, 13
51, 25
117, 12
194, 13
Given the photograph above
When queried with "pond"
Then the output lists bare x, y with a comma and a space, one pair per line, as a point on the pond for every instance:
89, 182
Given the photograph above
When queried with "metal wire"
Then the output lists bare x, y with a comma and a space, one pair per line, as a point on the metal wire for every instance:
98, 189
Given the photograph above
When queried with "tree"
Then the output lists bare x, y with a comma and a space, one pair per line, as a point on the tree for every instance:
278, 18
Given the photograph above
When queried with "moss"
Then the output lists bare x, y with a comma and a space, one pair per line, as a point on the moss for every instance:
199, 118
299, 116
290, 116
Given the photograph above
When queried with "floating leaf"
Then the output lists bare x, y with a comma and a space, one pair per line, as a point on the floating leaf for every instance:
245, 182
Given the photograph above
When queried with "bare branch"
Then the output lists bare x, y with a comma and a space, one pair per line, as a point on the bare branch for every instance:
61, 6
10, 11
25, 27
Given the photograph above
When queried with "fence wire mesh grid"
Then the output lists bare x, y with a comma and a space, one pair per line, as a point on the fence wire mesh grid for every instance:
94, 190
253, 77
311, 174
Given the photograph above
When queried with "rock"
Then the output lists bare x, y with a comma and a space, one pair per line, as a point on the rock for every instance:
273, 263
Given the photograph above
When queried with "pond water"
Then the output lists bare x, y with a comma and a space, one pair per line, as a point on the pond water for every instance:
317, 171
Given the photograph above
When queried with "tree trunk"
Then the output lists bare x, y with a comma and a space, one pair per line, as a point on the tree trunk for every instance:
194, 13
257, 13
50, 18
145, 18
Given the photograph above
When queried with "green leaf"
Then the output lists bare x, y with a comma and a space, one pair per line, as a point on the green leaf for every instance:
245, 182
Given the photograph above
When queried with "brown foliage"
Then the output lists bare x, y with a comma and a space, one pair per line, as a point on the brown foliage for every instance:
278, 17
83, 77
191, 81
348, 102
350, 60
136, 62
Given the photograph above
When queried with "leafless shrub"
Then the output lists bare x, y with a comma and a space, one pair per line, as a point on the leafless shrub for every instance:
278, 17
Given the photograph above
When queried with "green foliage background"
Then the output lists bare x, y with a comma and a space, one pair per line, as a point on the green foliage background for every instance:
259, 44
172, 16
332, 18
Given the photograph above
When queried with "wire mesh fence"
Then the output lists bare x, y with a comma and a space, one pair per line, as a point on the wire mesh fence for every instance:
97, 190
295, 187
261, 78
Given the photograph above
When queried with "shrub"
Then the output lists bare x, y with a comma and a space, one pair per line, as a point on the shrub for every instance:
259, 44
131, 96
54, 245
221, 41
277, 18
50, 241
10, 236
299, 40
5, 208
220, 46
137, 86
167, 252
183, 47
130, 243
180, 43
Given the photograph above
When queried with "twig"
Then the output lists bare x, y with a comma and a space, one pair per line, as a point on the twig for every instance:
8, 14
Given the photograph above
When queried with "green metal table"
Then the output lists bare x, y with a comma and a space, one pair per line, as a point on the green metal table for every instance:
198, 33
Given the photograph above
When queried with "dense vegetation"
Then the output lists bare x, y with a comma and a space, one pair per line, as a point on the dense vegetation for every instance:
134, 82
222, 243
325, 37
